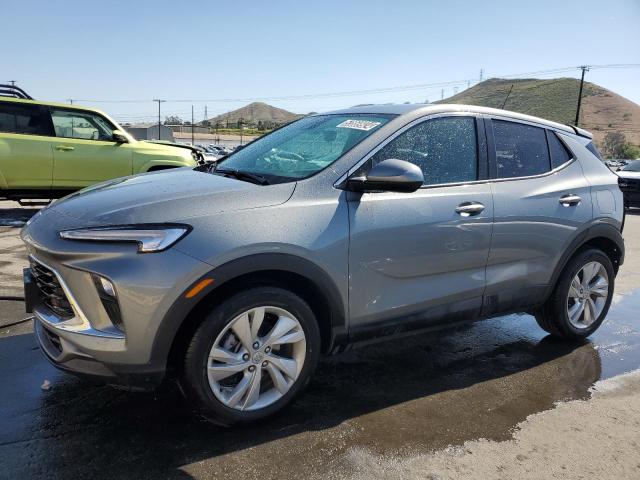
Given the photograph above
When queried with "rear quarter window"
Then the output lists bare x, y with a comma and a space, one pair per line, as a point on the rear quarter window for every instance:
592, 148
559, 153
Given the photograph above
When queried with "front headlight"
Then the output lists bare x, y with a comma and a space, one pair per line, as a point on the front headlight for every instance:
149, 237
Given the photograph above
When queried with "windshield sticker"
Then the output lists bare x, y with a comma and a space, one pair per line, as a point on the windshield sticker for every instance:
358, 124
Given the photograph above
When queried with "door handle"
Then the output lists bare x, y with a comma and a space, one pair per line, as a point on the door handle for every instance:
570, 200
64, 148
468, 209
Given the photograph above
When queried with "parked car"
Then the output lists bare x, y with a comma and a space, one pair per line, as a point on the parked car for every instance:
48, 150
616, 164
335, 229
629, 183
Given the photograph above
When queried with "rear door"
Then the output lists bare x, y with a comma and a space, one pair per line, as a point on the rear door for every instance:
420, 257
84, 151
541, 200
26, 158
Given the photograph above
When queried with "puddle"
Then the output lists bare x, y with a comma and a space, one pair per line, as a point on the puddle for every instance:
404, 396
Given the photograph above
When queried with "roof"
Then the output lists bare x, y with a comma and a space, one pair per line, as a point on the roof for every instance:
427, 109
49, 104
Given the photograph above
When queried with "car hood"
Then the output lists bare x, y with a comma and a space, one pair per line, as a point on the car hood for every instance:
167, 196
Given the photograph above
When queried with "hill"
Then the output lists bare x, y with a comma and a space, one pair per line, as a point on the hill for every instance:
602, 110
256, 112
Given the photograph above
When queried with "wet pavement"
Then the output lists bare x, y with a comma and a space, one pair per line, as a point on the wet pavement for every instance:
402, 396
395, 398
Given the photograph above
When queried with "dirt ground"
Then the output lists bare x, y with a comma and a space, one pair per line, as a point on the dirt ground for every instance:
596, 438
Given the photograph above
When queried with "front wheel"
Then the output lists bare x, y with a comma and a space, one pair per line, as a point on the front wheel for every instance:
581, 298
251, 355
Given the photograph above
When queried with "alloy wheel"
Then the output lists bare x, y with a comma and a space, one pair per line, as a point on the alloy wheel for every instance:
588, 294
256, 358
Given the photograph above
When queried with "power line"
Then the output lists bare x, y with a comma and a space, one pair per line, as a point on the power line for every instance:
348, 93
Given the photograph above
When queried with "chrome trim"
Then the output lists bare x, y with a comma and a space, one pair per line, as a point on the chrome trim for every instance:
79, 323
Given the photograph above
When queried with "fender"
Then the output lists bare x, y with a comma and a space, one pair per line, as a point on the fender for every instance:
600, 228
224, 273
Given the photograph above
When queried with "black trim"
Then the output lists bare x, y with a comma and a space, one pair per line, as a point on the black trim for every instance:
20, 194
601, 228
483, 149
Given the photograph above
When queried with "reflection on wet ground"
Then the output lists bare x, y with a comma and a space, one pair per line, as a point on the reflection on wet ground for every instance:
406, 395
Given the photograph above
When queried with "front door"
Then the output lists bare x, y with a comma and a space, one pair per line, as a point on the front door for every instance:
84, 151
418, 258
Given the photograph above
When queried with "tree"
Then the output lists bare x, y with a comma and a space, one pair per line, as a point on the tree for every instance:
173, 120
613, 145
632, 152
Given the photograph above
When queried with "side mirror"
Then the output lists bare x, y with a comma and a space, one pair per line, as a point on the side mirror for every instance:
391, 175
119, 137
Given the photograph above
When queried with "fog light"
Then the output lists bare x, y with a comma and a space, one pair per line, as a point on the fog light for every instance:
107, 287
107, 294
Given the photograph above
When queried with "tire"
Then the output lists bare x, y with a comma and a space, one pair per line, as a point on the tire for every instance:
553, 316
214, 397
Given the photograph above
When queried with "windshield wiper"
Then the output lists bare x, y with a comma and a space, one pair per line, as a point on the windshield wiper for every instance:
240, 175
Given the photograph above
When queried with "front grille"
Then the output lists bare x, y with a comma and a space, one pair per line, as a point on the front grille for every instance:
51, 292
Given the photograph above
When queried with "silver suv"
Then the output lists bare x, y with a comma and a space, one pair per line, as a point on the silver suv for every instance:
338, 228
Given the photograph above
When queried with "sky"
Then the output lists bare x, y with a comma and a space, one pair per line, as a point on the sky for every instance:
302, 55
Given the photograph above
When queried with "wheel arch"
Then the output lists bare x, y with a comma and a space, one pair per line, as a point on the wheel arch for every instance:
603, 236
297, 274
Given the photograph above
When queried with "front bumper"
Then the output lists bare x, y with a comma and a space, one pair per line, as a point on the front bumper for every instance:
86, 341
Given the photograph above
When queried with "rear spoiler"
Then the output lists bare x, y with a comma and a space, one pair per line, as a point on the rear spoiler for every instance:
581, 132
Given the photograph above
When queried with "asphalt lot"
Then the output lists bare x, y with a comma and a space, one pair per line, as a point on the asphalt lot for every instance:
392, 400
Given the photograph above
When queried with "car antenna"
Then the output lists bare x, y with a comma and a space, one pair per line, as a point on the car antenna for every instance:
507, 97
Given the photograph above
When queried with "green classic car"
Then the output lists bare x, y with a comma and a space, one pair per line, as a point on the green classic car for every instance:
48, 149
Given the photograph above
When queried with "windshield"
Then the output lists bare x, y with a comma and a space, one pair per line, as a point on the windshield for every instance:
305, 147
632, 167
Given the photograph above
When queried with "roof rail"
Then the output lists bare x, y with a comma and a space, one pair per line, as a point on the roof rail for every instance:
581, 132
13, 91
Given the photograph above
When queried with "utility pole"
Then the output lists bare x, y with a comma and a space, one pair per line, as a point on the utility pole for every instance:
159, 121
12, 82
193, 141
584, 68
70, 100
206, 117
442, 94
481, 75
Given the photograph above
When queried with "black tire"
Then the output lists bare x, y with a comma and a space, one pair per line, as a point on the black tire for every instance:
552, 316
194, 380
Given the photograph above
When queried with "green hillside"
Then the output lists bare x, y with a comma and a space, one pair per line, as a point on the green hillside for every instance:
256, 112
553, 99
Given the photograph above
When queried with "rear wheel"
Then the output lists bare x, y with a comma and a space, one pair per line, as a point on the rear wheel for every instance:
251, 355
581, 298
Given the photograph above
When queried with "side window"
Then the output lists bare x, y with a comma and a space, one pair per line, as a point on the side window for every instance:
559, 153
22, 118
444, 148
521, 150
592, 148
83, 125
